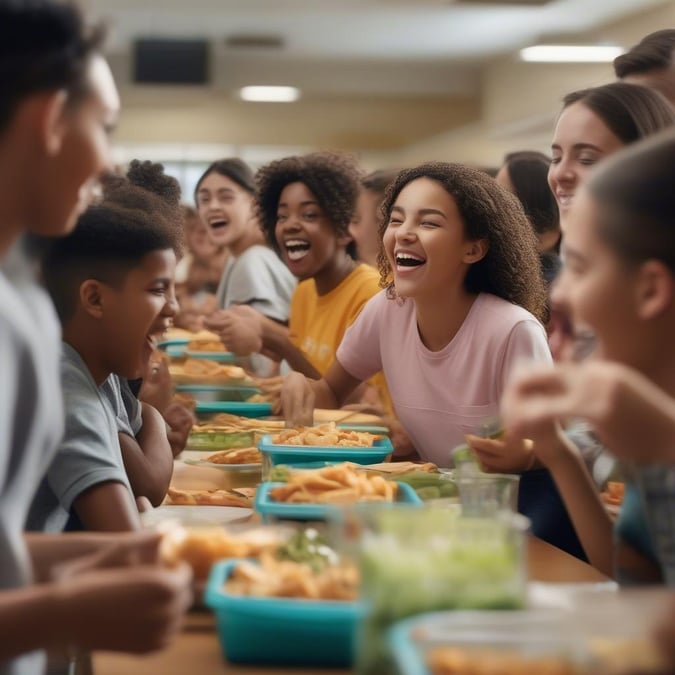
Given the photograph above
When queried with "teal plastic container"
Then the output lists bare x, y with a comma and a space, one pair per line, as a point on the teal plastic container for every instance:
211, 393
268, 507
219, 357
298, 455
281, 631
207, 408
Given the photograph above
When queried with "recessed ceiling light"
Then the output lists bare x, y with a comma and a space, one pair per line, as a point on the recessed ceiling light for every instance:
571, 53
269, 94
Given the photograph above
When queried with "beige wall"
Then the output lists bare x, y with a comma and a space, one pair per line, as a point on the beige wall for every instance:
520, 101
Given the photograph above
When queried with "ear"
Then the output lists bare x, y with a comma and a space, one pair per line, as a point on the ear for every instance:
51, 121
654, 290
475, 251
344, 240
91, 298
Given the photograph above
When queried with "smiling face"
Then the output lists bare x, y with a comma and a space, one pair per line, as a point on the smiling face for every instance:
595, 286
308, 241
425, 241
581, 139
226, 209
68, 177
136, 314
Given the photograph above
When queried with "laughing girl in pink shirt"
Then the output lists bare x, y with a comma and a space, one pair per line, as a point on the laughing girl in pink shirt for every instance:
463, 301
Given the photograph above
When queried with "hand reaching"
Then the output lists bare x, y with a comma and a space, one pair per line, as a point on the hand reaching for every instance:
297, 400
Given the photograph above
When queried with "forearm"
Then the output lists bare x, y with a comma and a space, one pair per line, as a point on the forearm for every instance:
148, 458
276, 340
48, 550
589, 517
107, 507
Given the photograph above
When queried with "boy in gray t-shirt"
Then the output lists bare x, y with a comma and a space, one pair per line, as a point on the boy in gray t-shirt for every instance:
111, 281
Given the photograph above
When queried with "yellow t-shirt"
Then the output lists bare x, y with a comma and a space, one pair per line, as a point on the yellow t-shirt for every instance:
318, 322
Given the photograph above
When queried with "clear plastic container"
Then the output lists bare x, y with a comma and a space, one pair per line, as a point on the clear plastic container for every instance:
421, 560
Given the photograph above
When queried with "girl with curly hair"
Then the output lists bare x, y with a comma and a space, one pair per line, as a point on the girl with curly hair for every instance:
305, 206
463, 301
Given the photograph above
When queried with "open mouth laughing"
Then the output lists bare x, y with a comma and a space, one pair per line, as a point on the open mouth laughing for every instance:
407, 261
296, 249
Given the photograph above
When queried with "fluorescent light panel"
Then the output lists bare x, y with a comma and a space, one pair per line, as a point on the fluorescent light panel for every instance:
269, 94
570, 53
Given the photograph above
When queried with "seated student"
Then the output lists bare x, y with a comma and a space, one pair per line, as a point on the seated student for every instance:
525, 173
254, 276
305, 206
367, 220
463, 300
619, 278
111, 281
59, 102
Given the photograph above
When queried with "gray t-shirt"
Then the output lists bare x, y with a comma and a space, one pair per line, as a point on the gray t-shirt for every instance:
126, 406
89, 453
260, 279
31, 419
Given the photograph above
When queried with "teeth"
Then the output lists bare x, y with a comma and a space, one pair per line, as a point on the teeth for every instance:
408, 256
217, 223
296, 242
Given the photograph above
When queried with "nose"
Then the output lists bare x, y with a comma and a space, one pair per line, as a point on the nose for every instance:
171, 306
562, 172
405, 232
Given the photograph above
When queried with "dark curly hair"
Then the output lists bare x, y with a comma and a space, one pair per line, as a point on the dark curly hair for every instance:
44, 46
510, 268
332, 178
138, 213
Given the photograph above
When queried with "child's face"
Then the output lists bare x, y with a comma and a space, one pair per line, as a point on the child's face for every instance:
70, 175
198, 240
136, 314
365, 228
595, 285
581, 139
225, 208
424, 241
307, 240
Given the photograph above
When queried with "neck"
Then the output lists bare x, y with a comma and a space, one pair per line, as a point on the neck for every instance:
251, 237
87, 346
334, 273
439, 318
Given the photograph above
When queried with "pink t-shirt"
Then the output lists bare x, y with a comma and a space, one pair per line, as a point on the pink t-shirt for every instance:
441, 396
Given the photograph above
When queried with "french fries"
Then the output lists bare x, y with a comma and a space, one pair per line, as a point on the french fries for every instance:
339, 484
207, 498
237, 456
325, 435
288, 579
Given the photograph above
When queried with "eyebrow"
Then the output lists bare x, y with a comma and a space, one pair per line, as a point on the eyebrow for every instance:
217, 190
579, 146
421, 212
573, 255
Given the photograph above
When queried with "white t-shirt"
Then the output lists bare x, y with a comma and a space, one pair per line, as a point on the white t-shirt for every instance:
31, 419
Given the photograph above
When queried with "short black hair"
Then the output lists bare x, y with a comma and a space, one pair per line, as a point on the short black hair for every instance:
510, 268
653, 52
528, 174
237, 170
333, 178
138, 214
630, 111
44, 46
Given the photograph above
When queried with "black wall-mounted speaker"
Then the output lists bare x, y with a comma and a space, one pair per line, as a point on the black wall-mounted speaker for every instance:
162, 61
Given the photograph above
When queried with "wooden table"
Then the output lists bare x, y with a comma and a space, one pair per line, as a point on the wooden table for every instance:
196, 650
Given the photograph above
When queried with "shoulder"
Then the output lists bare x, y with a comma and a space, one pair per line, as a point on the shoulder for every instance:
257, 254
503, 316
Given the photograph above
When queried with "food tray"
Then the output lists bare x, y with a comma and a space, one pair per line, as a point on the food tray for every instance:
206, 408
220, 357
529, 633
281, 631
268, 507
291, 455
215, 393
